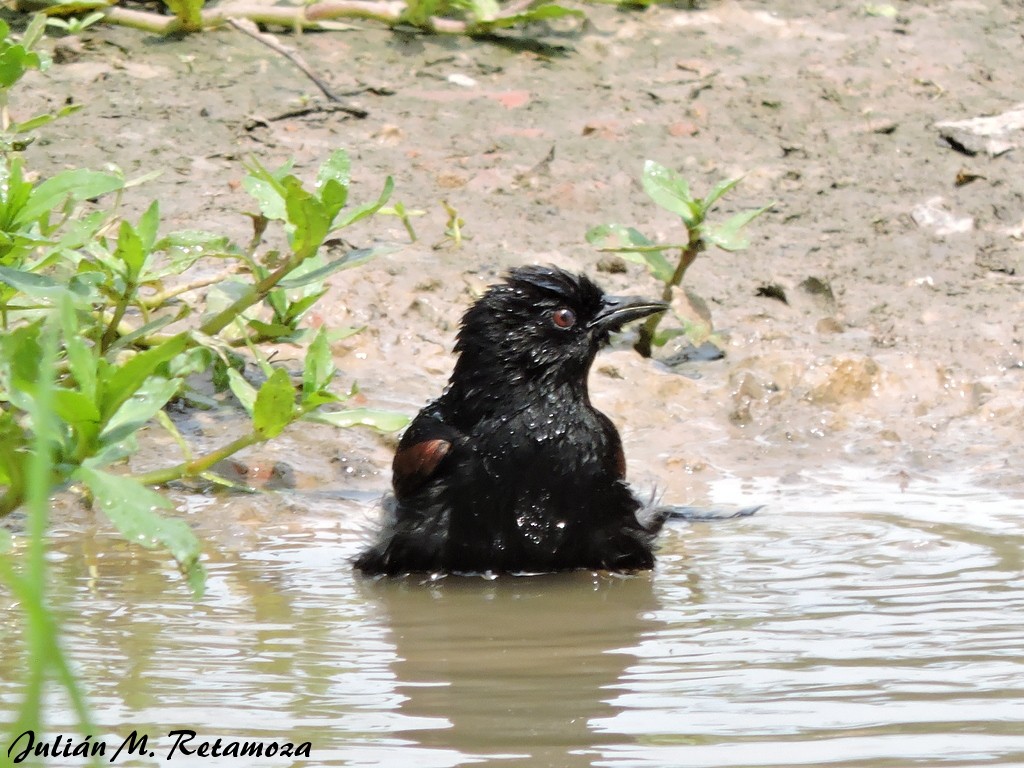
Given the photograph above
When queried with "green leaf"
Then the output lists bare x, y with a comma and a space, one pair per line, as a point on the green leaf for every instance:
370, 208
614, 236
149, 223
351, 259
14, 63
34, 123
143, 179
32, 285
337, 167
277, 331
275, 405
310, 219
664, 335
484, 10
81, 357
77, 184
670, 191
634, 247
81, 232
540, 13
418, 13
333, 196
123, 381
137, 410
243, 391
131, 506
223, 295
319, 368
655, 262
268, 190
74, 407
192, 238
19, 363
17, 191
34, 31
333, 181
727, 236
184, 249
339, 334
189, 13
299, 307
721, 188
130, 251
381, 420
194, 360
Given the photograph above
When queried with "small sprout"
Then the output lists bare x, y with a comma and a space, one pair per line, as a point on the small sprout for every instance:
454, 225
671, 191
74, 25
405, 216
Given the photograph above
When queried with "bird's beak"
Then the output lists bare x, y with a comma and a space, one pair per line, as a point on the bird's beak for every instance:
619, 310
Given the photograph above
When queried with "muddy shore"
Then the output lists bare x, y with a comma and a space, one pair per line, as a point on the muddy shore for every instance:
900, 252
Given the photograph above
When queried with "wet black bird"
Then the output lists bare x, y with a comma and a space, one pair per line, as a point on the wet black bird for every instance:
512, 470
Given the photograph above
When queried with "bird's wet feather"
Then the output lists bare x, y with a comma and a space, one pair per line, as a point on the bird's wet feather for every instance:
512, 469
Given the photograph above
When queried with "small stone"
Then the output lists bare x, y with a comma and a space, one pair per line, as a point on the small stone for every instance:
611, 264
829, 325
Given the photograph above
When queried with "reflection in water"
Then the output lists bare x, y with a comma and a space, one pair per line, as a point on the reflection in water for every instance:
515, 668
851, 623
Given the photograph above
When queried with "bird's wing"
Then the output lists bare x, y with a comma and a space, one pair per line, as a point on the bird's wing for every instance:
421, 453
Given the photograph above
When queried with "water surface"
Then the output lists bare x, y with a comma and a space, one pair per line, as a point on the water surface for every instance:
853, 622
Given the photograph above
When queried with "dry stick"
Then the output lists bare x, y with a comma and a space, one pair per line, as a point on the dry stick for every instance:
387, 12
249, 28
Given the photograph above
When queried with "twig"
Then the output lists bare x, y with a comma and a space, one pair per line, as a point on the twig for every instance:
315, 109
157, 299
249, 28
387, 12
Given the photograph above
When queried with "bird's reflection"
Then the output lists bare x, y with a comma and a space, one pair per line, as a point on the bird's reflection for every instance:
514, 669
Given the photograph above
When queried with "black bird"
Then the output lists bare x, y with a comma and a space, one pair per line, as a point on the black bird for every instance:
512, 470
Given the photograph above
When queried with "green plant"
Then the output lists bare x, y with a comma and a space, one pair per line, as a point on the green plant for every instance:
17, 57
480, 17
669, 190
74, 25
44, 653
405, 216
128, 344
102, 325
132, 328
453, 226
188, 13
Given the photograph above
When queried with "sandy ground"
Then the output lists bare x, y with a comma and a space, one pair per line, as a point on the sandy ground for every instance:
907, 357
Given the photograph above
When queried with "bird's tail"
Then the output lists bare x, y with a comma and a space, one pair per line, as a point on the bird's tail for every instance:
654, 516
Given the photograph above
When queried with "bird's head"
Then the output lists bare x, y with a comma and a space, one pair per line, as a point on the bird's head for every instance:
543, 323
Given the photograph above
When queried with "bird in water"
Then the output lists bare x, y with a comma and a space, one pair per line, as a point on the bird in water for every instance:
512, 469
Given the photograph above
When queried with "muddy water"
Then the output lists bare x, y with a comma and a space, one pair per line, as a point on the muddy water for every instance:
850, 623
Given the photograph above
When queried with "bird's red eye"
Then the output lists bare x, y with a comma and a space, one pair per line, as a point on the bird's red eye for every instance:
564, 318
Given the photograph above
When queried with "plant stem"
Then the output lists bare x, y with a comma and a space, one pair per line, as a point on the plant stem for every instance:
255, 294
157, 299
122, 306
199, 465
687, 255
407, 223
